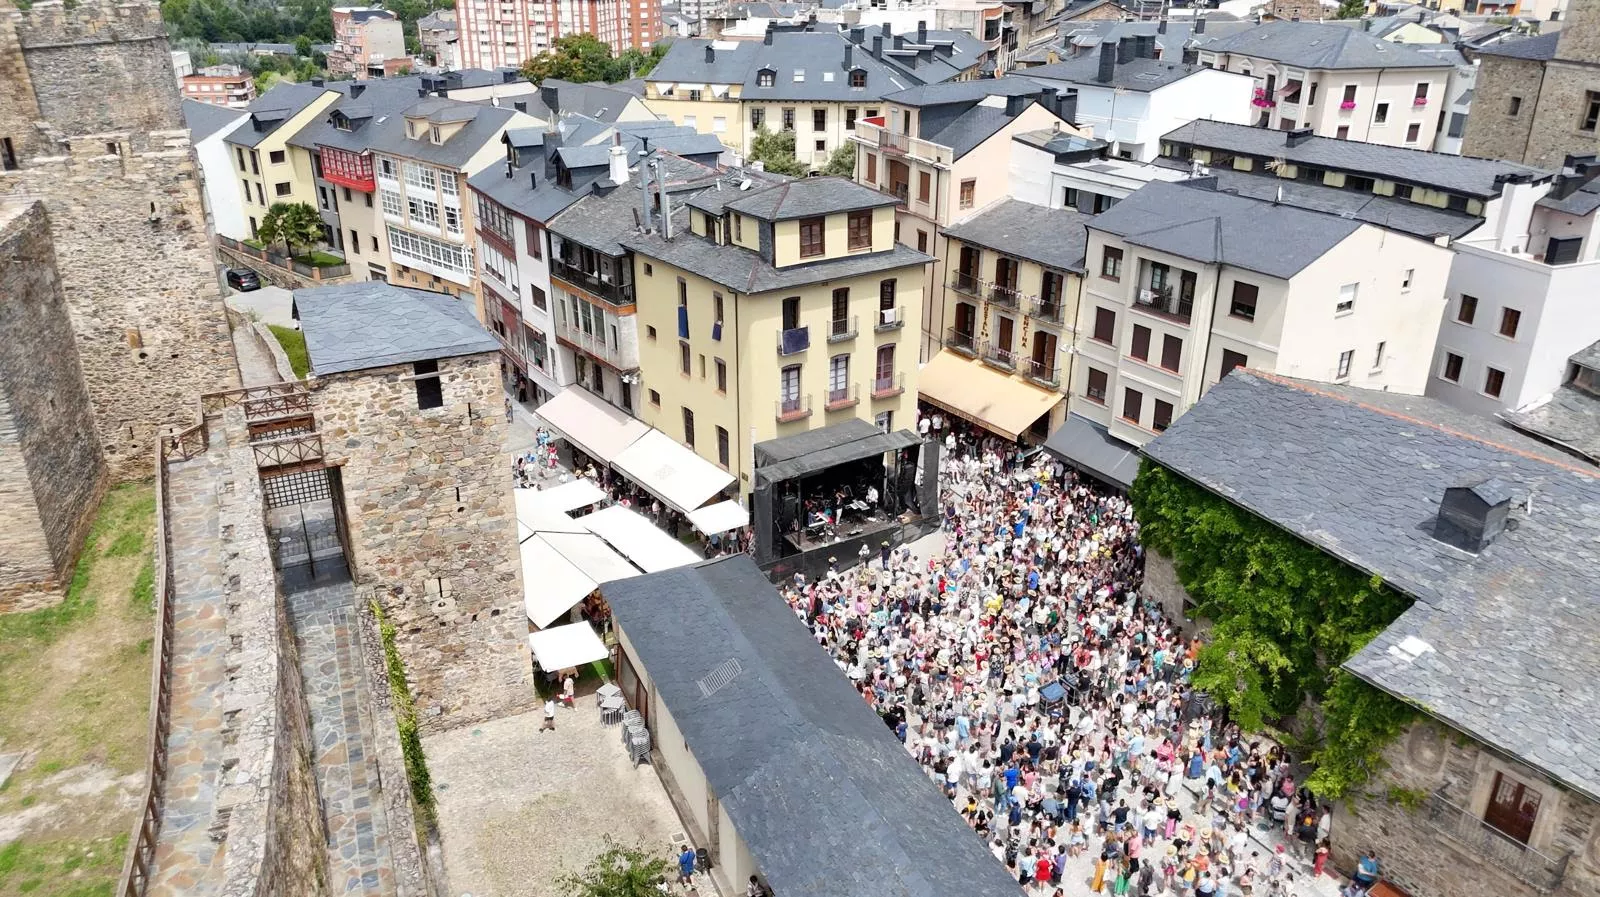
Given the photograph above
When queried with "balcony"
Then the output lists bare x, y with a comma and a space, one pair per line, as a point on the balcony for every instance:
842, 329
962, 342
593, 345
1162, 301
840, 399
1493, 846
887, 387
1050, 312
889, 319
964, 282
618, 294
793, 408
1002, 357
888, 141
794, 340
1004, 295
1042, 372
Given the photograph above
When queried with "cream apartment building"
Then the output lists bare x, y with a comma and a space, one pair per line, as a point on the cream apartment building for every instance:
1341, 82
783, 309
1184, 283
266, 170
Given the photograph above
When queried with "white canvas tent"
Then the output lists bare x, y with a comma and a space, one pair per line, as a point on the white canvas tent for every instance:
641, 541
720, 517
561, 647
551, 584
672, 473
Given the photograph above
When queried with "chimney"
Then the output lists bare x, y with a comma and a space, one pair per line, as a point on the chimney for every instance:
1297, 136
1015, 105
1471, 516
849, 56
711, 53
533, 179
422, 91
1199, 24
357, 89
766, 36
1108, 62
922, 32
551, 98
1161, 26
666, 208
899, 42
644, 198
858, 34
317, 82
1144, 46
619, 163
1126, 49
520, 105
1067, 106
877, 46
1366, 24
887, 33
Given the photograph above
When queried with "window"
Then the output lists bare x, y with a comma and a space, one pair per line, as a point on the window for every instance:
1452, 367
788, 118
969, 192
255, 162
1105, 325
765, 78
1562, 251
1132, 404
282, 189
423, 211
1231, 360
1364, 185
430, 389
688, 428
690, 121
716, 311
1069, 197
722, 446
1345, 358
1139, 347
649, 330
1468, 309
885, 421
841, 309
1342, 132
238, 152
789, 389
722, 376
1161, 418
885, 367
683, 358
1096, 392
374, 242
1591, 111
276, 157
1347, 299
811, 241
1493, 380
850, 119
261, 198
1403, 191
655, 398
1381, 116
391, 202
819, 119
695, 96
1111, 264
758, 118
1244, 300
838, 378
355, 240
924, 186
1377, 357
1413, 132
922, 241
1171, 352
1513, 808
1405, 278
886, 295
858, 78
1349, 93
246, 185
872, 168
821, 145
539, 302
1516, 107
1509, 319
738, 227
861, 229
452, 220
420, 176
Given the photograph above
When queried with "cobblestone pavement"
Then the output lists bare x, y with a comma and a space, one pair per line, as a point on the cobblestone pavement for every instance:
188, 860
325, 624
517, 806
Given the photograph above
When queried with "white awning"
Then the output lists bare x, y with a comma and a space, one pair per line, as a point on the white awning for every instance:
551, 584
522, 531
590, 554
562, 647
571, 495
586, 421
720, 517
642, 542
537, 512
672, 473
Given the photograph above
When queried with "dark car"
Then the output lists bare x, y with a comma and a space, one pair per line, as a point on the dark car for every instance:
243, 279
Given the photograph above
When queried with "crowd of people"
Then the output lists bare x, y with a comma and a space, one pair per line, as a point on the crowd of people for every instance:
1051, 701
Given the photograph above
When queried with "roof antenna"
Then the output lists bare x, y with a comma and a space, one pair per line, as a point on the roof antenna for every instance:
1278, 199
1528, 510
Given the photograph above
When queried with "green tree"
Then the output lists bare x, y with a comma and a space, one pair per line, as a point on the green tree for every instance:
302, 46
1351, 9
576, 57
618, 872
842, 161
294, 223
776, 152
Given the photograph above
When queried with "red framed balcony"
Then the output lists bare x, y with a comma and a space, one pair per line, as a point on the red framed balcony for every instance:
347, 169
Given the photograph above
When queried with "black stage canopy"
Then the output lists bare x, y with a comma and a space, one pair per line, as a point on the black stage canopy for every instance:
1087, 446
814, 450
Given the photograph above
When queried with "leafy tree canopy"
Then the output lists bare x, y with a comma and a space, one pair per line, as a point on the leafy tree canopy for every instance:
292, 223
1351, 9
618, 872
583, 58
842, 161
776, 152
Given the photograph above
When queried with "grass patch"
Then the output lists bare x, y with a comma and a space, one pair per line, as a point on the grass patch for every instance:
55, 868
316, 258
294, 346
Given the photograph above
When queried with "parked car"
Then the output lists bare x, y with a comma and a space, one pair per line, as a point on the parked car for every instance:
243, 279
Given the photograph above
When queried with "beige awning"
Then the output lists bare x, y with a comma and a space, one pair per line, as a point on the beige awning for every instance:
968, 388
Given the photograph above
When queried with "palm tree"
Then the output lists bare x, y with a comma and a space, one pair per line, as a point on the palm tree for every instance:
295, 223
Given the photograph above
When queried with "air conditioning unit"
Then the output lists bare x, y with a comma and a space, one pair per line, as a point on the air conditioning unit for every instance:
1147, 296
889, 315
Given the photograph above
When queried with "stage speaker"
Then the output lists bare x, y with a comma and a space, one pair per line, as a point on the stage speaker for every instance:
761, 511
928, 482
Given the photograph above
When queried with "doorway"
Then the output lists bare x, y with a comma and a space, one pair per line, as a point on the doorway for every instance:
306, 526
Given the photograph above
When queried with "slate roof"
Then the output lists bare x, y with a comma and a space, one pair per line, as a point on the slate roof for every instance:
371, 324
964, 91
517, 192
1401, 215
817, 787
597, 101
1455, 174
1582, 201
1053, 237
1211, 227
805, 197
1570, 419
600, 221
205, 119
1501, 645
746, 272
1315, 45
379, 97
483, 124
1140, 75
272, 110
1589, 357
1542, 47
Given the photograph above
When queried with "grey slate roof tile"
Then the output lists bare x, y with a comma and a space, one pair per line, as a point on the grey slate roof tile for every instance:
1541, 47
804, 197
1053, 237
1570, 419
272, 110
1583, 201
828, 802
1139, 75
1509, 639
1316, 45
205, 119
371, 324
483, 124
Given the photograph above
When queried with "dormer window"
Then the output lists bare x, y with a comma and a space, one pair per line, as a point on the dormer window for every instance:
433, 134
340, 122
765, 78
858, 78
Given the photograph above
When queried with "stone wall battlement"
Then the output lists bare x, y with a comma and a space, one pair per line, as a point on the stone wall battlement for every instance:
50, 22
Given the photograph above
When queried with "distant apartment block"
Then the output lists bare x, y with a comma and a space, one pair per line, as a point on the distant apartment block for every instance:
367, 43
495, 33
220, 85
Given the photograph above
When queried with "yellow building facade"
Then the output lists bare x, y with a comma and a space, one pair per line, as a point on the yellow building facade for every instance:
267, 169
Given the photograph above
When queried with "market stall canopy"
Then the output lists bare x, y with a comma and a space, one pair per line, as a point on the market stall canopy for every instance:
1089, 447
551, 584
571, 495
814, 450
670, 472
538, 513
632, 535
970, 389
561, 647
592, 555
720, 517
585, 420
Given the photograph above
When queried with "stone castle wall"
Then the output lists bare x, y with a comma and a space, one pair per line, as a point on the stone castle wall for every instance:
1434, 854
433, 529
52, 473
98, 130
1492, 133
1563, 100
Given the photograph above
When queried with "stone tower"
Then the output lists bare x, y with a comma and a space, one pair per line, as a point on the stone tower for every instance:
91, 124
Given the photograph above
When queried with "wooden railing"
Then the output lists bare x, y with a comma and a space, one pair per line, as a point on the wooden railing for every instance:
136, 866
257, 400
289, 451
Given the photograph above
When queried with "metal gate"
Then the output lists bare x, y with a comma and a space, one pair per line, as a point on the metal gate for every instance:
307, 526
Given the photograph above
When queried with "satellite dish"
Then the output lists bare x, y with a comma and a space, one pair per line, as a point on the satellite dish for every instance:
744, 184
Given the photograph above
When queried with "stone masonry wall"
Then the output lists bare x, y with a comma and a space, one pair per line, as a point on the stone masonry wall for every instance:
52, 473
433, 529
1425, 853
1492, 133
106, 153
1563, 101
